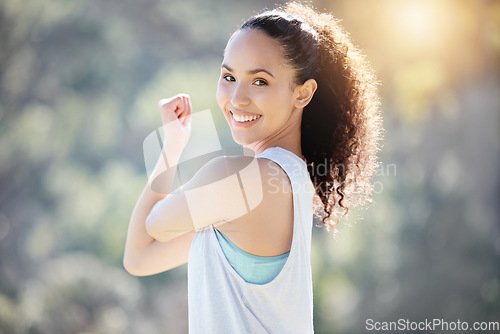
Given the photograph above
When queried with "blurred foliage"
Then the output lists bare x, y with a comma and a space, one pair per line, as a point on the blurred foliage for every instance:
79, 83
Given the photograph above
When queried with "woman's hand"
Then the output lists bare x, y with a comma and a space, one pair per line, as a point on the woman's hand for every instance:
176, 118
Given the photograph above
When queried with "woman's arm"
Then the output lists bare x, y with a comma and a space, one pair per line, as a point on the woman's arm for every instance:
163, 223
224, 189
144, 255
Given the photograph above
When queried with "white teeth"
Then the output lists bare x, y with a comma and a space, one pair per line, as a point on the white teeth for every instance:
242, 119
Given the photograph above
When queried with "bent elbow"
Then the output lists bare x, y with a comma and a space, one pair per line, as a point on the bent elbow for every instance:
132, 266
129, 264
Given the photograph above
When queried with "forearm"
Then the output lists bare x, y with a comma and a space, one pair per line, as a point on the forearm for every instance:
157, 188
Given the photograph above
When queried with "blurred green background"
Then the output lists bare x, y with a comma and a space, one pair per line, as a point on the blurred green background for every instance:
79, 84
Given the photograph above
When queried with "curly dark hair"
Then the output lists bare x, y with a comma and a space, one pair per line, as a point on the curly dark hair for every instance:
341, 126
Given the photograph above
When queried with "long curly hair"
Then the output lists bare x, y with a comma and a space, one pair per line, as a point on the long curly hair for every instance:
341, 126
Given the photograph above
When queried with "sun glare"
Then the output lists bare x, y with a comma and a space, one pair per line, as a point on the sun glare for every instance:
423, 22
418, 19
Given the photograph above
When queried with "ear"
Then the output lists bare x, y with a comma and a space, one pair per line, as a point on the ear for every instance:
305, 92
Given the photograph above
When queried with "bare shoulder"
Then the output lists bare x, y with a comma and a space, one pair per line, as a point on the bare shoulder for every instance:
268, 223
223, 167
251, 171
274, 178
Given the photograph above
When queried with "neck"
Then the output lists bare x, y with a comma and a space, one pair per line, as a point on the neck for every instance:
288, 138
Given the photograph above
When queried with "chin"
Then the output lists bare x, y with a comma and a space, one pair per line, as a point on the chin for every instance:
241, 141
245, 141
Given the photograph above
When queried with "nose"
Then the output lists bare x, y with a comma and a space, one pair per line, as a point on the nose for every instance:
240, 96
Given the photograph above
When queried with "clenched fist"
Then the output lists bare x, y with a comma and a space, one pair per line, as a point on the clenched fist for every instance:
176, 118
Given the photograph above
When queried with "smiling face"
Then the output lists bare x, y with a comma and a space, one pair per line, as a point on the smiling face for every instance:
256, 92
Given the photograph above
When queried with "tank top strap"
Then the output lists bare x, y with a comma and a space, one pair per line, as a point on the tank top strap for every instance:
295, 167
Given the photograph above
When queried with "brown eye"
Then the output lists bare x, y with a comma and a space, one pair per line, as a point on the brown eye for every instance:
260, 82
229, 77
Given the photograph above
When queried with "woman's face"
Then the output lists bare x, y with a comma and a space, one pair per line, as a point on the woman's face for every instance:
256, 91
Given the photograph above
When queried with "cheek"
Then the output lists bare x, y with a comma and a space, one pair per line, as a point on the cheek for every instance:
221, 94
277, 102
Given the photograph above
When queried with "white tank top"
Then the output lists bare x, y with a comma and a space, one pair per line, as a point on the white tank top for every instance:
220, 301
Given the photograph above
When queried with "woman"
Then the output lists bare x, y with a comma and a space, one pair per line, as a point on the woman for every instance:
295, 91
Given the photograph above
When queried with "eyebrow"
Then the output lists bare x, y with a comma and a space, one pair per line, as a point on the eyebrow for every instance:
257, 70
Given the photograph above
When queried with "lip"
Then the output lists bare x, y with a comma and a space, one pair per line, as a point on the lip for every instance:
244, 124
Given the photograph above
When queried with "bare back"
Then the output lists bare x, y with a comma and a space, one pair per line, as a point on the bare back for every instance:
267, 229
